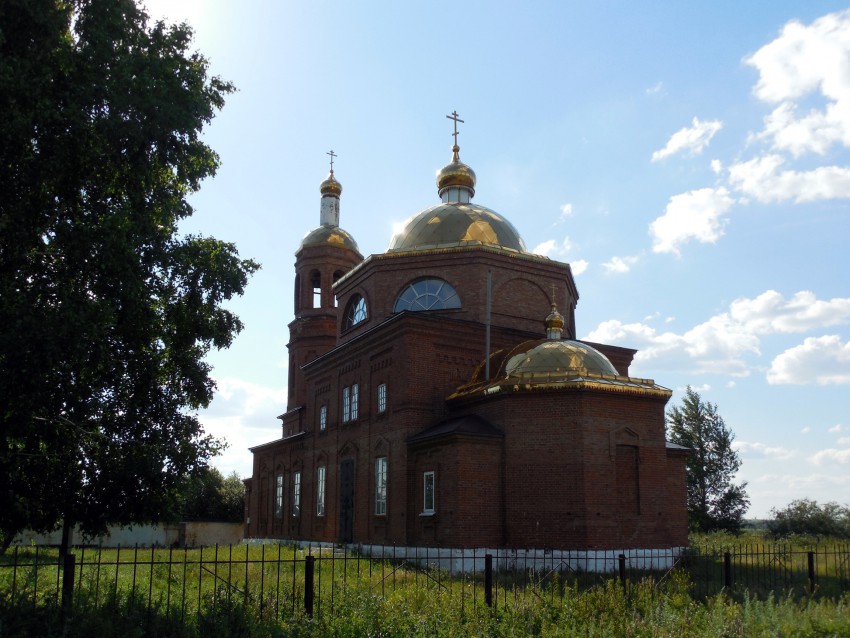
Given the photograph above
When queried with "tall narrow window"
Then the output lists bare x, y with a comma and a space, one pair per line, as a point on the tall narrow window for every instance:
382, 397
355, 396
429, 493
278, 497
320, 491
323, 418
381, 486
346, 404
316, 280
296, 493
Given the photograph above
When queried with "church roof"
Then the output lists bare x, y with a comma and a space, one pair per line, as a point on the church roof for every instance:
329, 236
453, 224
468, 425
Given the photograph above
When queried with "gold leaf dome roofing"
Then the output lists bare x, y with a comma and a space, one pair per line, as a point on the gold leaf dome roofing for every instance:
549, 358
456, 224
330, 186
329, 236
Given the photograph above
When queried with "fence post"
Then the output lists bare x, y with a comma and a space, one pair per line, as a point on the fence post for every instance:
309, 566
811, 572
621, 566
68, 568
488, 579
727, 570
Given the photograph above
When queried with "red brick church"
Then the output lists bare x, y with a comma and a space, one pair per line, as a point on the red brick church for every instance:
438, 397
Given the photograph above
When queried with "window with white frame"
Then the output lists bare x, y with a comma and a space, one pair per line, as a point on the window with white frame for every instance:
350, 402
278, 497
429, 496
296, 493
323, 418
346, 404
320, 490
381, 486
382, 397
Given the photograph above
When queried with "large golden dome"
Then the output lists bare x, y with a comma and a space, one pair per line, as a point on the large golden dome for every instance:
551, 359
329, 236
456, 224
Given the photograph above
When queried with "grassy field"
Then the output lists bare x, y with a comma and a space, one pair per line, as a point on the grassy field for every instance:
259, 591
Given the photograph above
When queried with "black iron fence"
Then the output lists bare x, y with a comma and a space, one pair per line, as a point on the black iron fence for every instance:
308, 580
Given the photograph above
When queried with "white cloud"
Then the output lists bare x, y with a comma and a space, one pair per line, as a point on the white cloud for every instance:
761, 178
730, 384
807, 59
844, 440
761, 449
721, 343
243, 414
693, 215
693, 139
620, 264
717, 166
837, 428
544, 248
831, 454
822, 360
566, 211
578, 266
770, 312
655, 90
551, 248
806, 430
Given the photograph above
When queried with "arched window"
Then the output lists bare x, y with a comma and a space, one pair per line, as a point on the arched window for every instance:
356, 312
427, 294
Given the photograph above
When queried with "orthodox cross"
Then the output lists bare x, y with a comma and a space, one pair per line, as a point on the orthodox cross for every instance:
553, 294
456, 119
333, 155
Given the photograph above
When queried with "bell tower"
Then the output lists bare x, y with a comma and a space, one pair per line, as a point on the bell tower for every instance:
325, 255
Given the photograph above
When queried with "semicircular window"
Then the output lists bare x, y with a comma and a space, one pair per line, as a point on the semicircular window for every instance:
427, 294
356, 312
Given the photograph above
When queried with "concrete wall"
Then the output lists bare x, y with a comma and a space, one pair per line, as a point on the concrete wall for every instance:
188, 534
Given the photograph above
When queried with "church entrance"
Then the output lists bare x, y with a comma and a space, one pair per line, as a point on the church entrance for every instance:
346, 501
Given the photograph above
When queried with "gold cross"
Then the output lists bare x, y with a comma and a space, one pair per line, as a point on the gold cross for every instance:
456, 119
553, 294
333, 155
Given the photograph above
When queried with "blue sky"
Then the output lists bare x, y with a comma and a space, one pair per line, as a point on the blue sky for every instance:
690, 160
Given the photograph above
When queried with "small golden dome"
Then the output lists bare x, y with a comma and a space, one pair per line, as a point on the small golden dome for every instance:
555, 320
456, 174
329, 236
551, 358
331, 186
456, 224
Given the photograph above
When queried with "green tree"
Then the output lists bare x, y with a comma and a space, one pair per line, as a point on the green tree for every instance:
206, 495
805, 516
107, 312
714, 502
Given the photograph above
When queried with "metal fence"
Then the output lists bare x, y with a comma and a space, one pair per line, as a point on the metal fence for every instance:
308, 580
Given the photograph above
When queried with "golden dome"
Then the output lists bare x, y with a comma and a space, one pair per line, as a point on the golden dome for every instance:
549, 359
456, 174
456, 224
330, 186
555, 320
329, 236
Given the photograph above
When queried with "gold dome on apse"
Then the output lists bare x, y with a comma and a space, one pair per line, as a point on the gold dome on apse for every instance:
549, 358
